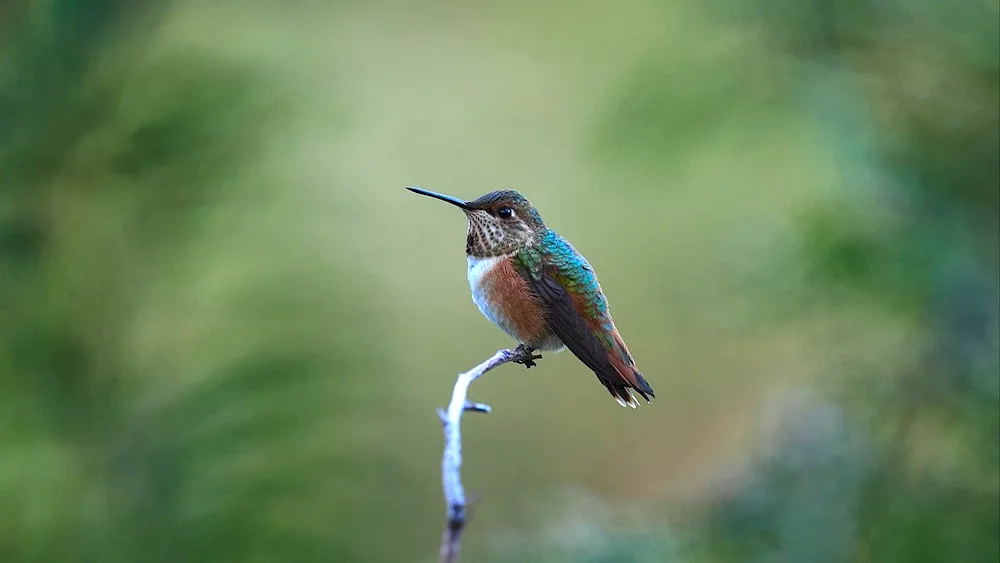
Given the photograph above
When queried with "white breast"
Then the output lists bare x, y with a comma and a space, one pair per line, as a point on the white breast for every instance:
478, 268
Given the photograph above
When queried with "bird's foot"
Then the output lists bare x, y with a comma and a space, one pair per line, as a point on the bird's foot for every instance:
526, 356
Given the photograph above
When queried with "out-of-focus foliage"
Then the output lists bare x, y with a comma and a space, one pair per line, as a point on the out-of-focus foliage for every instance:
903, 466
167, 391
224, 327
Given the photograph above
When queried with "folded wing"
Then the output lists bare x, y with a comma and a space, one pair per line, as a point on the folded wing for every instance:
606, 356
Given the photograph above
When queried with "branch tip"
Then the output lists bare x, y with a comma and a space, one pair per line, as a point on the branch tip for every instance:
478, 407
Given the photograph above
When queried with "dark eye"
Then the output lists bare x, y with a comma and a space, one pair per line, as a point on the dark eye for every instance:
505, 213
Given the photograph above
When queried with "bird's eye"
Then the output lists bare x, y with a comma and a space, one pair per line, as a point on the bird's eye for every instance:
505, 213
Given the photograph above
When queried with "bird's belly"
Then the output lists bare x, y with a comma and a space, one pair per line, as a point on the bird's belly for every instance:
478, 268
504, 298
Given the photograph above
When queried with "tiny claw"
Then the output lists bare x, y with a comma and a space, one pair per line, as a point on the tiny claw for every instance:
526, 356
443, 416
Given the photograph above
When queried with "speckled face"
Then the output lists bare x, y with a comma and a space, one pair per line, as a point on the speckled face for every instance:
500, 223
491, 236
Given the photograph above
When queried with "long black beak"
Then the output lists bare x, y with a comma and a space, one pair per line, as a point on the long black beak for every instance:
442, 197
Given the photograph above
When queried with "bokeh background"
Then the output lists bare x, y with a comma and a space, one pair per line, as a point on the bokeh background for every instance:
225, 327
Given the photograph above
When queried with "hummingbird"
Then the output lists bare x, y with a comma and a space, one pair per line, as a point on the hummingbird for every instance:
530, 281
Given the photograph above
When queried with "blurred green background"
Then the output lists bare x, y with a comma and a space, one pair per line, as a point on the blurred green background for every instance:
225, 327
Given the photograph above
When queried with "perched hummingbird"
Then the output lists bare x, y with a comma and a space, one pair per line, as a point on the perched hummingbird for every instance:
537, 288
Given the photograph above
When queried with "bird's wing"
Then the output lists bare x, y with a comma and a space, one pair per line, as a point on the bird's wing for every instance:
563, 307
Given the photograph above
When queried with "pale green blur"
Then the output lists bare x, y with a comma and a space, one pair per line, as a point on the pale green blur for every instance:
225, 326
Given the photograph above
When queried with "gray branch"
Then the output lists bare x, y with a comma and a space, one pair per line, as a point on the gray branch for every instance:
451, 463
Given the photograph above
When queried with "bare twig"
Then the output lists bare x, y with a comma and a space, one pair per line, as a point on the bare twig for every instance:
451, 463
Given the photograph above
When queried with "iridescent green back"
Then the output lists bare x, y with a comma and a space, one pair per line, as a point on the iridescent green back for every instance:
571, 270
